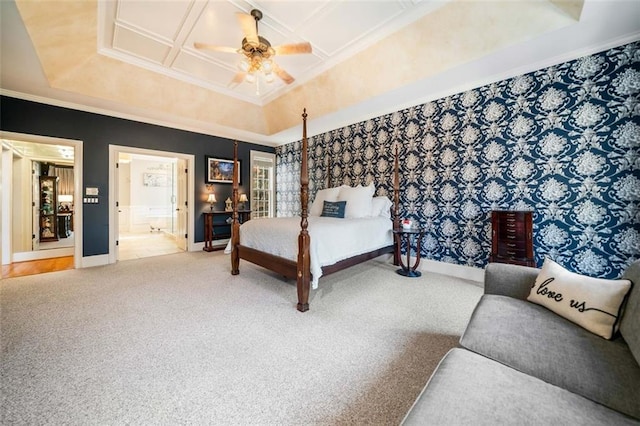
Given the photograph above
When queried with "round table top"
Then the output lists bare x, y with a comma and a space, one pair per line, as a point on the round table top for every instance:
412, 230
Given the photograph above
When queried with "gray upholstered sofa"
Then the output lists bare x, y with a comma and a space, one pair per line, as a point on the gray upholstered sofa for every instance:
519, 363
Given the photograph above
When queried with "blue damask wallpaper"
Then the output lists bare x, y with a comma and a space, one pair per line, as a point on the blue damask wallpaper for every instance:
563, 141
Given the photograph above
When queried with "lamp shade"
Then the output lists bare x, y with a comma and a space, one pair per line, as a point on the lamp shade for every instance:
65, 198
243, 198
211, 198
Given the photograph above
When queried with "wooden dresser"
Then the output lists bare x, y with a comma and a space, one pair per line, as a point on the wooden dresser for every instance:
512, 237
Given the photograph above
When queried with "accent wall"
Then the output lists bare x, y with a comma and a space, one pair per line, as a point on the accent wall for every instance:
563, 142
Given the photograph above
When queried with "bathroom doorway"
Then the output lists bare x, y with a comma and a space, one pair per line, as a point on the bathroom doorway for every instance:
150, 214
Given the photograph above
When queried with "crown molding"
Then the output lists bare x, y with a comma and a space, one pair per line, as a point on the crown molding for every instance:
214, 130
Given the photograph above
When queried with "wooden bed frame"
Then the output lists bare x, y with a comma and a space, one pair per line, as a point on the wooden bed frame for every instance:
300, 270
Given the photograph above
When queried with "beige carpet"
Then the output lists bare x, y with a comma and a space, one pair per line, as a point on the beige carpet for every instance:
176, 339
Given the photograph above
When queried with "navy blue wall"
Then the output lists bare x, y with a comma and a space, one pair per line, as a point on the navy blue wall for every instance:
563, 141
97, 132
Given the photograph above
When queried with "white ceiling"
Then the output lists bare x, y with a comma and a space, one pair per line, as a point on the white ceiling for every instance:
161, 38
61, 154
369, 57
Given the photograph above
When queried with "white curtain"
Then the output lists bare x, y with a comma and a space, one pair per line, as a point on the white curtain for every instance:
65, 183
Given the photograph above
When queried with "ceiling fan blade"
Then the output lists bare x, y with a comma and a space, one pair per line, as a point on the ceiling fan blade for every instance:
237, 79
213, 48
285, 76
293, 49
249, 27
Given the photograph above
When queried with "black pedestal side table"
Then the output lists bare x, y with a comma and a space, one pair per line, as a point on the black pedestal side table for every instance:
408, 234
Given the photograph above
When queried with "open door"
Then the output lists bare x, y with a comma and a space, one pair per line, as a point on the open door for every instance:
182, 208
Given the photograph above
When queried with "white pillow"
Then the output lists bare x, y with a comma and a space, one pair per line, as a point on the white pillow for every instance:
328, 194
592, 303
358, 200
380, 206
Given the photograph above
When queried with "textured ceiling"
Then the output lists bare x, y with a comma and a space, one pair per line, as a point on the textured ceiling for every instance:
136, 59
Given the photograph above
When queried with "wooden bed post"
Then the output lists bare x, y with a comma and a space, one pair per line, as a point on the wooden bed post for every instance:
235, 224
304, 265
396, 206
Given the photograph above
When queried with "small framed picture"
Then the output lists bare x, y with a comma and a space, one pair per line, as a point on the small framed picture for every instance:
155, 179
220, 170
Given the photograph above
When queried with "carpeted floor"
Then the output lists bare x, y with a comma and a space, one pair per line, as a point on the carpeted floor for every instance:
176, 339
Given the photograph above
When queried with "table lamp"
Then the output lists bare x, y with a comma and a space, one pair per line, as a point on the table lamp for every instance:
211, 199
243, 199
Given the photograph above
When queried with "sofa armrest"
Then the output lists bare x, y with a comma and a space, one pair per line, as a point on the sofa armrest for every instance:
509, 280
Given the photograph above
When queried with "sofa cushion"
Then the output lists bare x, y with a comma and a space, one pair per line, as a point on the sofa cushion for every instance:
535, 341
467, 388
630, 323
592, 303
509, 280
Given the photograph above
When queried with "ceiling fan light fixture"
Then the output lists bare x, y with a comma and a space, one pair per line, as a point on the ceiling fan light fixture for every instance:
244, 65
256, 53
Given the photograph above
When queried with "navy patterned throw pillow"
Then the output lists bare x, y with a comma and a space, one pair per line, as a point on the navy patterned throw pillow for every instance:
334, 209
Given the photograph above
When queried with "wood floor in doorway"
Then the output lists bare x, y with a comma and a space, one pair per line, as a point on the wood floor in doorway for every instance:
32, 267
132, 246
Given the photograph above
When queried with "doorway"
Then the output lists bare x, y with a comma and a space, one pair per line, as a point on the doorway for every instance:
38, 224
263, 184
149, 215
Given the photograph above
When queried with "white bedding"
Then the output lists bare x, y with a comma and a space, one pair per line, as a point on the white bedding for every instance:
332, 239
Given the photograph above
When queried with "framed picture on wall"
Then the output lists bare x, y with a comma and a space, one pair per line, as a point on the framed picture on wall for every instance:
220, 170
155, 179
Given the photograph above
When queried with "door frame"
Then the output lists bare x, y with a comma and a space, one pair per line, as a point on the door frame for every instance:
7, 214
114, 153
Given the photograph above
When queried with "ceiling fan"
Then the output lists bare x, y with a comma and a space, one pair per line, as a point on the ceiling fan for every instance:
257, 52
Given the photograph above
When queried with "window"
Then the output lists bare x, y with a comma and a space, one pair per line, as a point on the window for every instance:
263, 184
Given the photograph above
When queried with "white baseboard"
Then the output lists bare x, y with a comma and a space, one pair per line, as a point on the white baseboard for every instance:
42, 254
97, 260
459, 271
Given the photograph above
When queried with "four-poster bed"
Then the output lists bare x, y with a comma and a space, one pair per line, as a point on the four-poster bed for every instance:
300, 269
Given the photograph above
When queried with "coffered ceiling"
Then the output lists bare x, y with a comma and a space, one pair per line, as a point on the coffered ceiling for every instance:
161, 38
136, 59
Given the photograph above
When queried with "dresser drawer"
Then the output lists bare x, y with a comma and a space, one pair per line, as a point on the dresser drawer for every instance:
512, 237
512, 245
512, 228
512, 252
